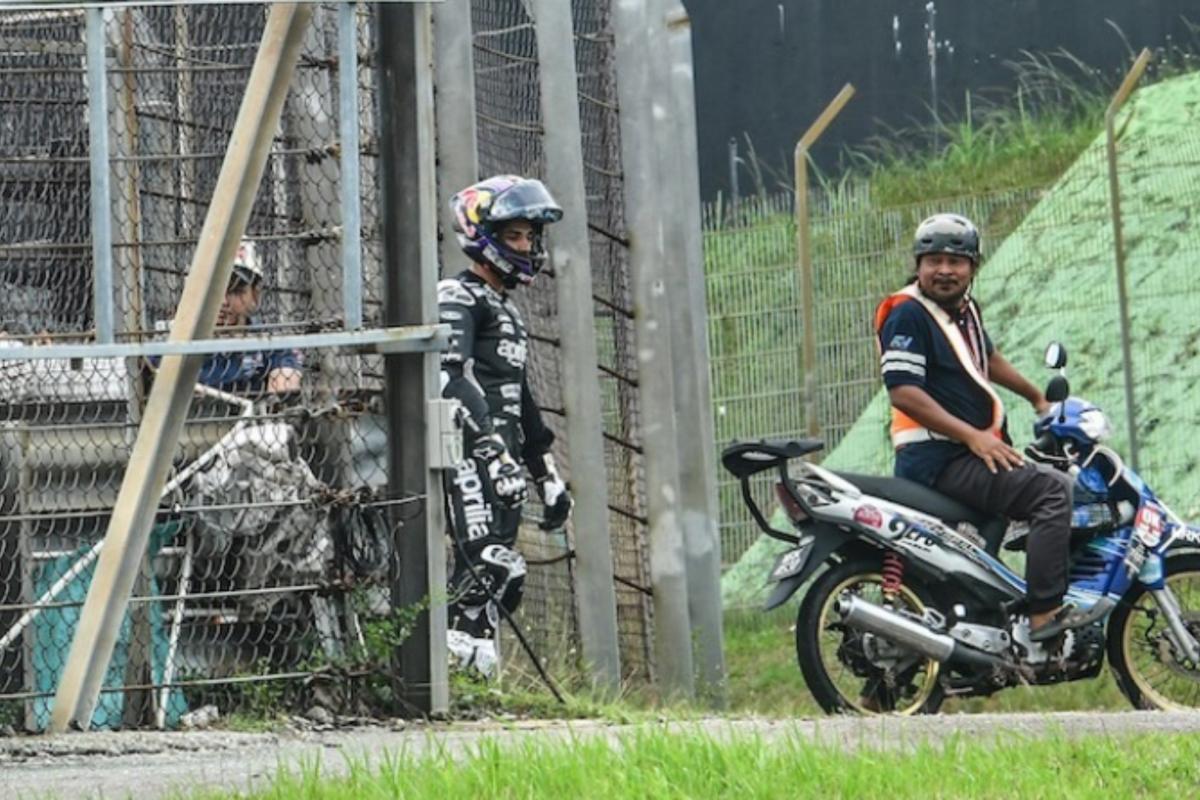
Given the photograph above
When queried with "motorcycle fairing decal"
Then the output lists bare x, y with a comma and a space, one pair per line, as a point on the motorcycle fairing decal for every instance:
1150, 524
1185, 534
869, 515
923, 538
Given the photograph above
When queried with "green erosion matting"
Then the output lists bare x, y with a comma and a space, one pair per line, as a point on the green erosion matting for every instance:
54, 628
1054, 278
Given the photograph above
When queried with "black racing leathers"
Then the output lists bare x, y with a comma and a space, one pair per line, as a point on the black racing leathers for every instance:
484, 369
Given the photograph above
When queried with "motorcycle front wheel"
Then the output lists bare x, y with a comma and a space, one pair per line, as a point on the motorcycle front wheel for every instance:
849, 671
1149, 669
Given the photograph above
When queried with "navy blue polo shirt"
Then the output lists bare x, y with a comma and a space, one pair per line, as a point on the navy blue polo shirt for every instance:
915, 352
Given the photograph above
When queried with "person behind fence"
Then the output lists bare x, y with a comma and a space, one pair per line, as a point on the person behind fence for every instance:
500, 223
948, 423
259, 371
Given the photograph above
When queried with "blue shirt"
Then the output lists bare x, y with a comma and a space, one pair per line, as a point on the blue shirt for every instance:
916, 353
245, 372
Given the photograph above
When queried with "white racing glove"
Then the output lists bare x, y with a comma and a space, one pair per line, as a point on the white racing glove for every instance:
555, 498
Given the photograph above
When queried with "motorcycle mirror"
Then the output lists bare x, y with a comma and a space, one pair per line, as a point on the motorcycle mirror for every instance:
1056, 356
1058, 389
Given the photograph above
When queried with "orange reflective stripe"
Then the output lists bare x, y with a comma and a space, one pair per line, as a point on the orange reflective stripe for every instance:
884, 309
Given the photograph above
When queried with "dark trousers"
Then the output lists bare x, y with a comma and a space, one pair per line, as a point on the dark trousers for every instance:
1028, 494
486, 534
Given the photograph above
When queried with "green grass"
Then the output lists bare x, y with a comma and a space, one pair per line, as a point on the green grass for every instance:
520, 695
760, 658
1025, 137
658, 764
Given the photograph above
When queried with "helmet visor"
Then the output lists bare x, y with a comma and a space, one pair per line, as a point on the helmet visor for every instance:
529, 200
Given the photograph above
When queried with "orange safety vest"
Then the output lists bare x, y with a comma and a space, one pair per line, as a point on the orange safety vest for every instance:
905, 429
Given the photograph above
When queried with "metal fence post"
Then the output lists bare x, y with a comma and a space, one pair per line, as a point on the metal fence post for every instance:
642, 112
1114, 192
127, 205
98, 149
409, 200
596, 595
689, 348
454, 106
171, 394
351, 152
804, 256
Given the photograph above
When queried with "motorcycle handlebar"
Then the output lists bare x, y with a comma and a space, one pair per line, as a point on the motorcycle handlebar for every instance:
1046, 451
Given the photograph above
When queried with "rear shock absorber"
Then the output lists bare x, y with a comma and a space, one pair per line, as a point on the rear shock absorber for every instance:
893, 574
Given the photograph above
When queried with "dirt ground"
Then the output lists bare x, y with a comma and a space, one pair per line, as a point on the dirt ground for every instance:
147, 765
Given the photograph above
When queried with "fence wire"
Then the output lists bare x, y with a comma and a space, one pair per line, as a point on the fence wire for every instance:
612, 289
510, 129
262, 583
268, 567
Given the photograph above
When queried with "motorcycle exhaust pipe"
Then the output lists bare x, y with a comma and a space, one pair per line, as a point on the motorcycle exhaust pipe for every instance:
867, 616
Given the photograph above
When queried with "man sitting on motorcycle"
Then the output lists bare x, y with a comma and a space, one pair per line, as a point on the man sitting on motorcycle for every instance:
948, 424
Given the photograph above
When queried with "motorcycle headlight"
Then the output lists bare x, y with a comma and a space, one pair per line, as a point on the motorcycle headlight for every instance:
1095, 425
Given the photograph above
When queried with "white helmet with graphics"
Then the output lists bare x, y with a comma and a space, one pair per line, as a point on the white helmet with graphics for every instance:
247, 267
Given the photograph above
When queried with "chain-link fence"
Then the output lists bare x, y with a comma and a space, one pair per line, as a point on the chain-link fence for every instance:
510, 131
1048, 272
269, 558
268, 565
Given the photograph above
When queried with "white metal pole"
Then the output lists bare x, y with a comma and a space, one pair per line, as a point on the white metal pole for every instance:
571, 259
454, 108
642, 112
690, 362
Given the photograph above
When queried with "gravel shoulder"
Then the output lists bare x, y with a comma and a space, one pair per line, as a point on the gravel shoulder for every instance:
150, 765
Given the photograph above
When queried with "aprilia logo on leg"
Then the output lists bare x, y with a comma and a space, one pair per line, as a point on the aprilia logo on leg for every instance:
477, 513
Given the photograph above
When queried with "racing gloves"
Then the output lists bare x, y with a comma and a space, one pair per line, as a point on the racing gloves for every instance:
556, 500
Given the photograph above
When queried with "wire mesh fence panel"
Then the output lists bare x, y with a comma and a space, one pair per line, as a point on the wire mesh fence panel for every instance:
267, 572
616, 339
268, 559
509, 129
369, 192
177, 76
755, 332
45, 260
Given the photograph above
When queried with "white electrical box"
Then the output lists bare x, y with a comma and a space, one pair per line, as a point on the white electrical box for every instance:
445, 434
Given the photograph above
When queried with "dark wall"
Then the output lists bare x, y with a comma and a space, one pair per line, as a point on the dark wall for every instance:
766, 69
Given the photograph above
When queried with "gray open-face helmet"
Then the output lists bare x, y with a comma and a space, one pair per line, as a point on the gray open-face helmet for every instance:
947, 233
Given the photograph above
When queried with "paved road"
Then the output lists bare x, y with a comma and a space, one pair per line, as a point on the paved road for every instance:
149, 765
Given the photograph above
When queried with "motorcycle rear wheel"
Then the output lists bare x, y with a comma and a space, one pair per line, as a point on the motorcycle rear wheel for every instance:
1149, 671
835, 660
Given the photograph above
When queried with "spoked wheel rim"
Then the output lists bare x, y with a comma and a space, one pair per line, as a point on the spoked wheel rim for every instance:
901, 688
1158, 671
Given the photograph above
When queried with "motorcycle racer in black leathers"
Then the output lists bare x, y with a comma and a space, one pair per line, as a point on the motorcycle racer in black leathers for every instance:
499, 223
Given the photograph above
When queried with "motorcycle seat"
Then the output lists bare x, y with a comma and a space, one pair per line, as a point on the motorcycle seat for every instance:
914, 495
